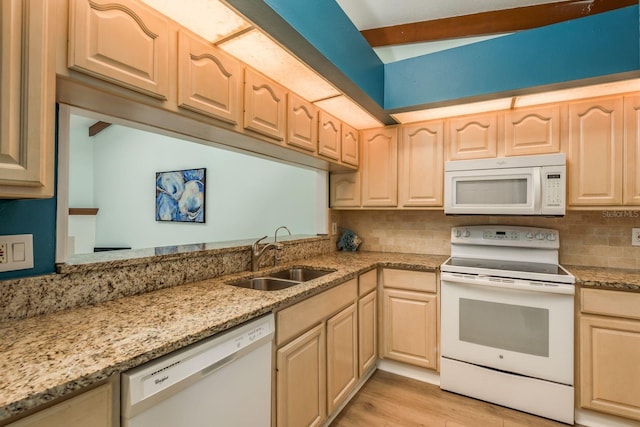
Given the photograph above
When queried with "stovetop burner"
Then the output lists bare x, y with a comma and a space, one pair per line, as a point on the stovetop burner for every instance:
502, 265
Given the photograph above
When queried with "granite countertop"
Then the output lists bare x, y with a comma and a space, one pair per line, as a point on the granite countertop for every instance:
606, 278
46, 357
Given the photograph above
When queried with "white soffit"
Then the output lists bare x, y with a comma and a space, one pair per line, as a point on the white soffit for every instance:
210, 19
260, 52
349, 112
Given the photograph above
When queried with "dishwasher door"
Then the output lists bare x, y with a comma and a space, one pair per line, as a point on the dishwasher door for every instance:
223, 381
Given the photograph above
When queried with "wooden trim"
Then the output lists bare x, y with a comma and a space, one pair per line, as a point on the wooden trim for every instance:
494, 22
98, 127
83, 211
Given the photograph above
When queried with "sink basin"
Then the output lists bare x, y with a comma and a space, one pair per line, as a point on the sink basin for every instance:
265, 283
300, 274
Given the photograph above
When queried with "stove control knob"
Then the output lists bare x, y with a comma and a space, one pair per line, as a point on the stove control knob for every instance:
467, 233
551, 237
529, 235
458, 232
539, 236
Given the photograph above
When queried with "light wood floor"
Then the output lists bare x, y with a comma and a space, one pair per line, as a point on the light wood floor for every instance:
389, 400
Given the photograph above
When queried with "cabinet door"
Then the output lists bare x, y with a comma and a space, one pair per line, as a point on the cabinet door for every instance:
344, 190
264, 105
342, 356
409, 327
631, 162
380, 167
594, 155
301, 380
302, 123
93, 408
472, 137
329, 135
350, 145
124, 42
367, 332
609, 371
421, 165
532, 131
209, 80
27, 101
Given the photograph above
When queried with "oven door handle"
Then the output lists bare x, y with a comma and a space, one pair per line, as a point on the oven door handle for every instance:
456, 278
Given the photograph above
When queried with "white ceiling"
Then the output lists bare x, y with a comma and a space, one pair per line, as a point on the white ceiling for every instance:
367, 14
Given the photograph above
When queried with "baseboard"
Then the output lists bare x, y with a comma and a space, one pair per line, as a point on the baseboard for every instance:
588, 418
420, 374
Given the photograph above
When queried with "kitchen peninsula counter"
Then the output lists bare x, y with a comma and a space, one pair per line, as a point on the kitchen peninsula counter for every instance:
46, 357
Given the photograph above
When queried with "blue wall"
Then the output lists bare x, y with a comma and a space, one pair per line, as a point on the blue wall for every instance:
594, 46
325, 26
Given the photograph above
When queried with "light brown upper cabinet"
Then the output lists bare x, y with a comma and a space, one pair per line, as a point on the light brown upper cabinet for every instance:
345, 190
209, 80
380, 167
302, 123
264, 105
350, 145
594, 157
531, 131
27, 104
125, 42
421, 164
631, 164
329, 135
472, 137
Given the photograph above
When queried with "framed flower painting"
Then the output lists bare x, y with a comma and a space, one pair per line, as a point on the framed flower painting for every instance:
180, 195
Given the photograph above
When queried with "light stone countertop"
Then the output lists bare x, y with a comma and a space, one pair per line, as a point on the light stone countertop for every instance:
606, 278
47, 357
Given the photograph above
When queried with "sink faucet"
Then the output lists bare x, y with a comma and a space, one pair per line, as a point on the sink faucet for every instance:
257, 253
275, 237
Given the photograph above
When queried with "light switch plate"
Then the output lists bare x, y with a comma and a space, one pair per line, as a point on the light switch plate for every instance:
635, 237
18, 252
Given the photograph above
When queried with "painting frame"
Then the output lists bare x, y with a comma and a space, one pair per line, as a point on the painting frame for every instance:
181, 196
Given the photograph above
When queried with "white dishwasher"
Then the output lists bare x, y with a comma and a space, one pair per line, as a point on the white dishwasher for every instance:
222, 381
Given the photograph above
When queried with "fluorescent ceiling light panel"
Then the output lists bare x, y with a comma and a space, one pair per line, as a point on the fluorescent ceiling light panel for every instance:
210, 19
349, 112
260, 52
604, 89
453, 110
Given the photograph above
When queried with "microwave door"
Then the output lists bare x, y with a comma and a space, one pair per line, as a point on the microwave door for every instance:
499, 192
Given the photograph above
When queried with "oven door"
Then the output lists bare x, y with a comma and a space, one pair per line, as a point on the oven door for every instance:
528, 332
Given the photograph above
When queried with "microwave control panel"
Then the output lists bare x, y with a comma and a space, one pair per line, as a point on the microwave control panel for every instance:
554, 189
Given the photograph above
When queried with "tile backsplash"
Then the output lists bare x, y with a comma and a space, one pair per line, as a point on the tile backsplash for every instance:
589, 238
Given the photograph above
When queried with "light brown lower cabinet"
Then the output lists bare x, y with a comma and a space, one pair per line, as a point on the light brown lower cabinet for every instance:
367, 331
93, 408
316, 356
610, 352
301, 380
409, 317
342, 356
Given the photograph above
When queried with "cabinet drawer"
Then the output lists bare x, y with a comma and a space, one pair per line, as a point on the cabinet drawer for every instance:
411, 280
367, 282
296, 319
611, 303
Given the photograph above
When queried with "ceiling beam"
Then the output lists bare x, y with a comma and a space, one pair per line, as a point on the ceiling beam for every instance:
98, 127
487, 23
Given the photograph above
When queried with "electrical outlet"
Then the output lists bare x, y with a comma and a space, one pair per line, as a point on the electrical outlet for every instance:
16, 252
334, 228
635, 237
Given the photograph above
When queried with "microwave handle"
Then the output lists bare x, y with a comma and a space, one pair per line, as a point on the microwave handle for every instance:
537, 189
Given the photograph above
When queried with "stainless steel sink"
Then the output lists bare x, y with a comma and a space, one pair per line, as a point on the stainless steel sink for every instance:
265, 283
300, 274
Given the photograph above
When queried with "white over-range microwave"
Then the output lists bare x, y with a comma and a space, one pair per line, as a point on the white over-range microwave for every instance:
523, 185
